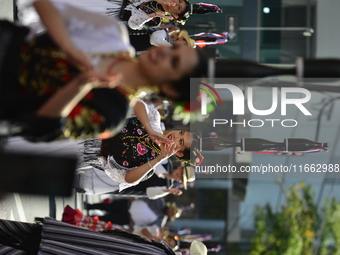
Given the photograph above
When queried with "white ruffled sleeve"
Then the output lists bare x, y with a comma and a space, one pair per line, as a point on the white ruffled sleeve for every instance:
84, 27
156, 192
159, 38
117, 172
153, 116
160, 169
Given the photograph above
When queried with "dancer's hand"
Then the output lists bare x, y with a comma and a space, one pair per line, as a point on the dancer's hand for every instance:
176, 175
168, 150
158, 138
85, 78
108, 81
170, 28
174, 191
100, 80
78, 57
61, 103
56, 28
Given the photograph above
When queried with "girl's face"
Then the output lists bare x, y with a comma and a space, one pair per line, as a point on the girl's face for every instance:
182, 139
177, 8
162, 65
178, 40
170, 241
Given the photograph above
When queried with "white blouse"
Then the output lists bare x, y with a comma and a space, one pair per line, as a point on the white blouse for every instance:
90, 32
153, 116
138, 18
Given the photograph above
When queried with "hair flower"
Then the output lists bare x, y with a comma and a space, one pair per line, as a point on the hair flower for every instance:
199, 159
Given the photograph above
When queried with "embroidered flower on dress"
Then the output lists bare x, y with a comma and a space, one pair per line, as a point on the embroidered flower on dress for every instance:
125, 163
48, 89
96, 118
141, 149
124, 130
153, 153
62, 62
76, 111
139, 132
147, 140
66, 77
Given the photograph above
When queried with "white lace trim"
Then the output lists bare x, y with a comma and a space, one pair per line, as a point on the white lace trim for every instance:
153, 114
154, 118
137, 2
117, 172
138, 18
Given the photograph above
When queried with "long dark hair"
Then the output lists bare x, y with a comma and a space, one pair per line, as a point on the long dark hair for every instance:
188, 153
186, 13
182, 86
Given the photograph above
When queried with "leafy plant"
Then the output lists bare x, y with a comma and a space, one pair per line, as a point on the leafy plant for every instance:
297, 227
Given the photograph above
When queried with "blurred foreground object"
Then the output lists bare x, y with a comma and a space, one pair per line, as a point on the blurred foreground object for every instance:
34, 174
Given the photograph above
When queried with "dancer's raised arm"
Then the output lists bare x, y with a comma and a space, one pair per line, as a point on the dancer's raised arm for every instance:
55, 26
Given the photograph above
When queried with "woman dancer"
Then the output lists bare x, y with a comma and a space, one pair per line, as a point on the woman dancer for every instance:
44, 80
132, 155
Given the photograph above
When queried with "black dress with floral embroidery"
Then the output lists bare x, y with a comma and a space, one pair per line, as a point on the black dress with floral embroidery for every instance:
132, 147
32, 74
